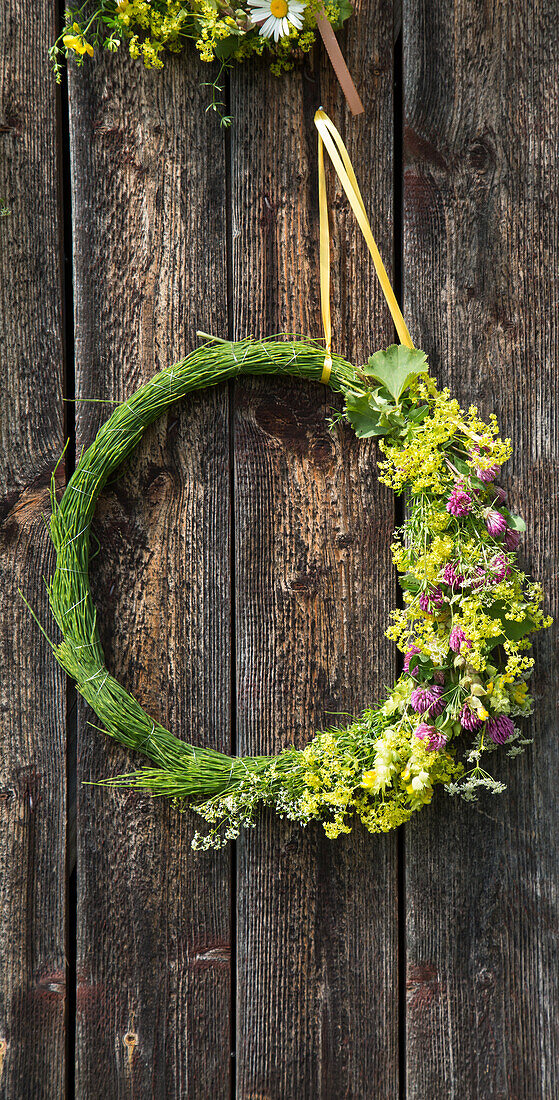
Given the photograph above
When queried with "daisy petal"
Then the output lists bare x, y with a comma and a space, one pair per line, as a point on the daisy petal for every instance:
268, 28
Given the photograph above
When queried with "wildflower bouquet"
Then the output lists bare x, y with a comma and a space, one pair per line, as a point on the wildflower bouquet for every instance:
284, 30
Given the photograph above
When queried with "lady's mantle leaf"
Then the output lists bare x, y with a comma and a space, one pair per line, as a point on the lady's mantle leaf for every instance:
365, 418
344, 11
513, 630
396, 368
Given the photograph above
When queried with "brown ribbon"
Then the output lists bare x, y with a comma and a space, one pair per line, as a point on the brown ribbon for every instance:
339, 66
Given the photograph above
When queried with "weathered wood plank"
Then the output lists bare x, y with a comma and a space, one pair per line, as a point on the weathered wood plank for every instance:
317, 951
482, 282
32, 691
153, 919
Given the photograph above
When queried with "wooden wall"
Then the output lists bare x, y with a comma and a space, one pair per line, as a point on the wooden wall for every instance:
245, 577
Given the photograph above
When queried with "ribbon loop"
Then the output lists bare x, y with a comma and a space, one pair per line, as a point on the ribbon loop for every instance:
330, 139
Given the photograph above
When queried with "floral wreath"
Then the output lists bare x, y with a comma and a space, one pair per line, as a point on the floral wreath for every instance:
468, 608
283, 30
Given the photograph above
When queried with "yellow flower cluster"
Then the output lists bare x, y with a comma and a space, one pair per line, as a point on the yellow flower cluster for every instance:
151, 28
214, 27
423, 463
397, 777
433, 558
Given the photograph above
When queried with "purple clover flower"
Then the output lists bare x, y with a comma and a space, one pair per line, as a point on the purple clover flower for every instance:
438, 741
424, 732
411, 652
488, 475
459, 502
451, 575
431, 600
457, 638
485, 475
511, 539
500, 729
469, 719
495, 522
499, 494
434, 738
427, 699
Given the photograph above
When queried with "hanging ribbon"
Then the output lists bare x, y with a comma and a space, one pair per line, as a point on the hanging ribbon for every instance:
329, 139
338, 64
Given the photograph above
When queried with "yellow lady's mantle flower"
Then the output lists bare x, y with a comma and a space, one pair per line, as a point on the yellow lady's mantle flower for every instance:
77, 42
519, 694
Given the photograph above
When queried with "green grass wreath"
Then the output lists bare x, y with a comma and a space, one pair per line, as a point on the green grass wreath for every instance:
464, 628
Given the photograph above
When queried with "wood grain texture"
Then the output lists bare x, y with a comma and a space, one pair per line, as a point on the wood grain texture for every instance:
317, 922
153, 919
482, 278
317, 925
32, 691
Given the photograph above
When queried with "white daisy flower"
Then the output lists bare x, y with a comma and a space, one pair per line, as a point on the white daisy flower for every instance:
276, 16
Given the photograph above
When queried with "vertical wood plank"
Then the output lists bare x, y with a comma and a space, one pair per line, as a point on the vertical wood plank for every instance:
317, 924
482, 279
153, 919
32, 690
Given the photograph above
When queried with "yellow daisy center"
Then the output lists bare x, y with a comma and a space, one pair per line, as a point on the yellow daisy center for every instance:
279, 8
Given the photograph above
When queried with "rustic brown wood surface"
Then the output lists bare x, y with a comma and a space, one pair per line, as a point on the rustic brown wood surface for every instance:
153, 919
317, 966
32, 691
244, 579
482, 281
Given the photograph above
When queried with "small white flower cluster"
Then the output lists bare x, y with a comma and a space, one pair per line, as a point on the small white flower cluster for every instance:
468, 788
228, 814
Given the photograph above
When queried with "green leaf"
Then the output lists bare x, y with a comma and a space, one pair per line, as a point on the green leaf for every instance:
516, 522
365, 418
461, 465
396, 368
345, 9
421, 667
225, 49
409, 582
514, 631
418, 413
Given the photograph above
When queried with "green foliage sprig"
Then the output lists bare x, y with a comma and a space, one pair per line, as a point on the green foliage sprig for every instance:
464, 629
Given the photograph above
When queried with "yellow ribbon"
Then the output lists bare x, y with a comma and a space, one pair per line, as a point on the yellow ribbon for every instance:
329, 139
